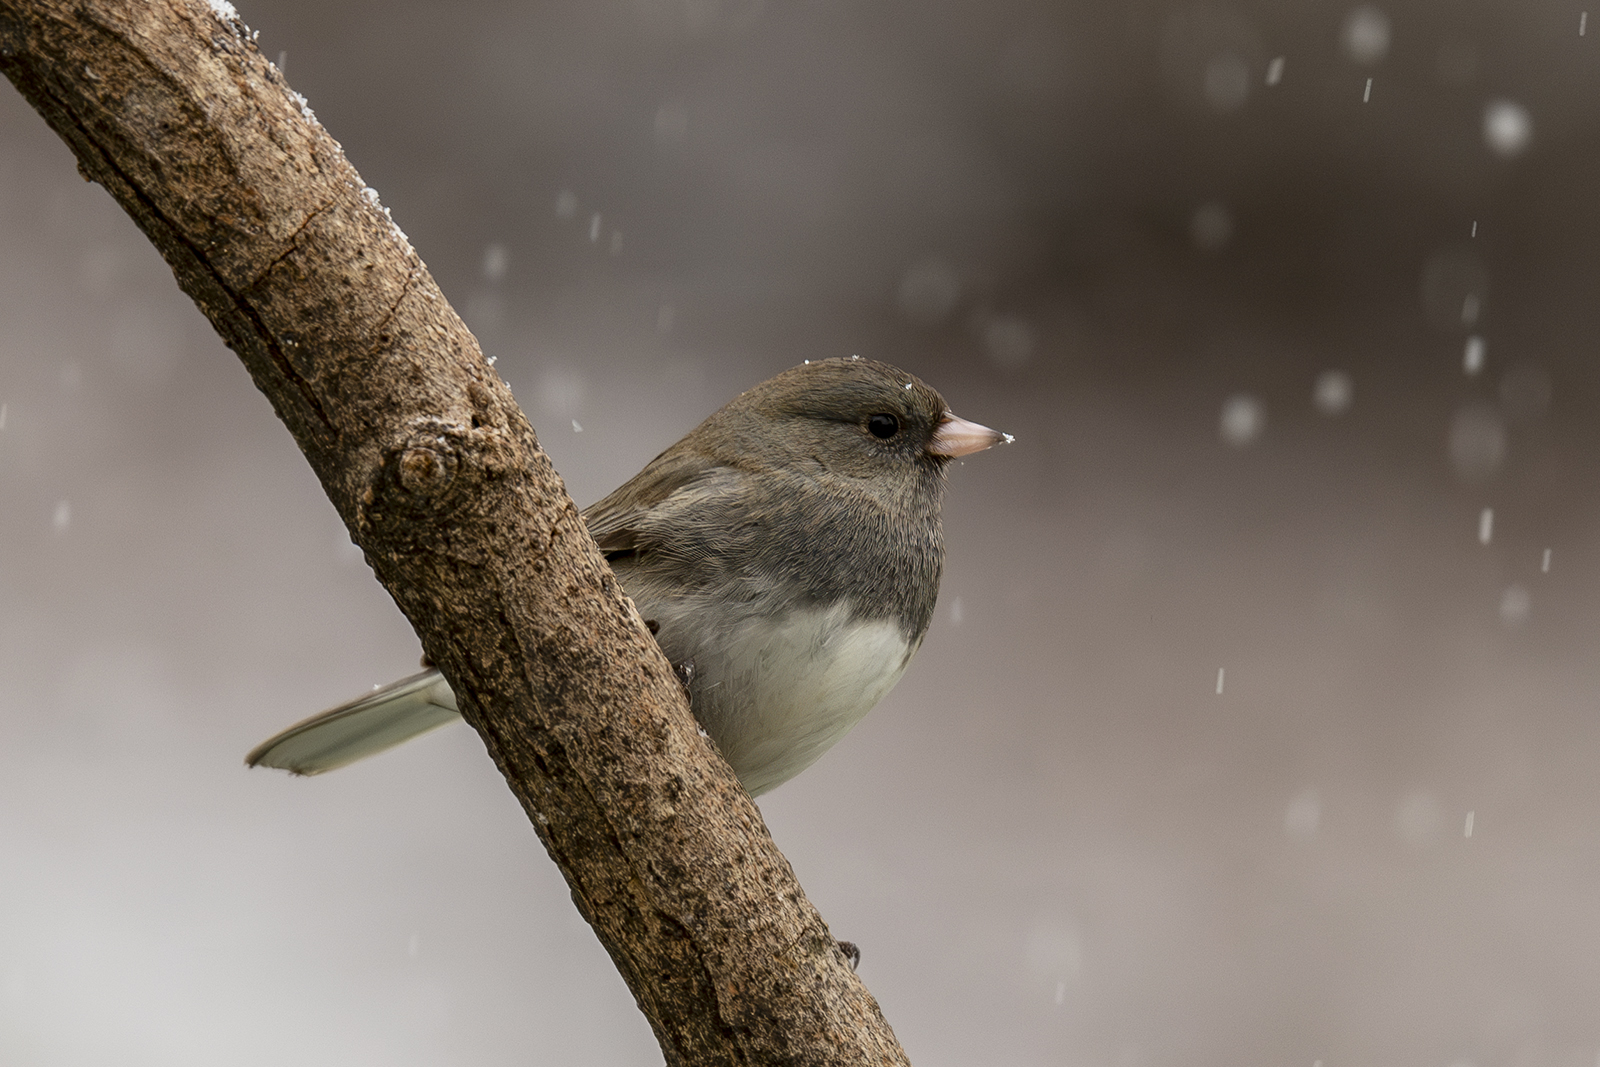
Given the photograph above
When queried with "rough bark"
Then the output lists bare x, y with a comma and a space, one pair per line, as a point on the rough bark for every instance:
440, 479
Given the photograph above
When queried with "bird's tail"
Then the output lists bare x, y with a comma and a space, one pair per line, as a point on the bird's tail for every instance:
362, 727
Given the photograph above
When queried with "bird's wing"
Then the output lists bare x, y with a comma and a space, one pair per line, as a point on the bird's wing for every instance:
362, 727
615, 522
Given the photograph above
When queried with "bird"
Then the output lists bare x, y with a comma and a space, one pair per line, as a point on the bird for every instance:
786, 554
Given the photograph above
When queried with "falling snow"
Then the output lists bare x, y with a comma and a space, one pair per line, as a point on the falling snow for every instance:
1507, 128
496, 260
1243, 419
1455, 284
1303, 816
1333, 392
1366, 35
1477, 442
1353, 748
1515, 604
1227, 81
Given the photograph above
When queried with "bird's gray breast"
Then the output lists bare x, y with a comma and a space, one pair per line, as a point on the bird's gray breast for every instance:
798, 605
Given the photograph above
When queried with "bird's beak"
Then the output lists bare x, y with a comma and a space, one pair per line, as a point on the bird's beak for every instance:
958, 437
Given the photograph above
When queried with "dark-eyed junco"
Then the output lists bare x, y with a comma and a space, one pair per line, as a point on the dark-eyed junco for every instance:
786, 554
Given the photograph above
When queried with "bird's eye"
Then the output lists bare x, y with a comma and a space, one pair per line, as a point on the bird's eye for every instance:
883, 426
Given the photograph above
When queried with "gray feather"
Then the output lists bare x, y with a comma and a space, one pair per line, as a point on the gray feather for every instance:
363, 727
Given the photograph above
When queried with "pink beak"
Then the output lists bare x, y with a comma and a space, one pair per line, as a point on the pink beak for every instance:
958, 437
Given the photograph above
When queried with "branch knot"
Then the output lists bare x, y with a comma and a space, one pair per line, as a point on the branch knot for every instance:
424, 470
427, 479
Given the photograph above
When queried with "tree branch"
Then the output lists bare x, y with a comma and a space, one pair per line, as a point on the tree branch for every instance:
440, 479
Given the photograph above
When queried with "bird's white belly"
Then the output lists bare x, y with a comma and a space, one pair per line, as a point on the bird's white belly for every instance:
776, 695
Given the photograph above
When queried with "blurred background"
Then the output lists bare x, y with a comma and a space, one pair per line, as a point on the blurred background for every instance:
1257, 725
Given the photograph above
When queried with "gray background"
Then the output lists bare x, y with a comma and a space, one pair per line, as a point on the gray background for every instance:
1096, 226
